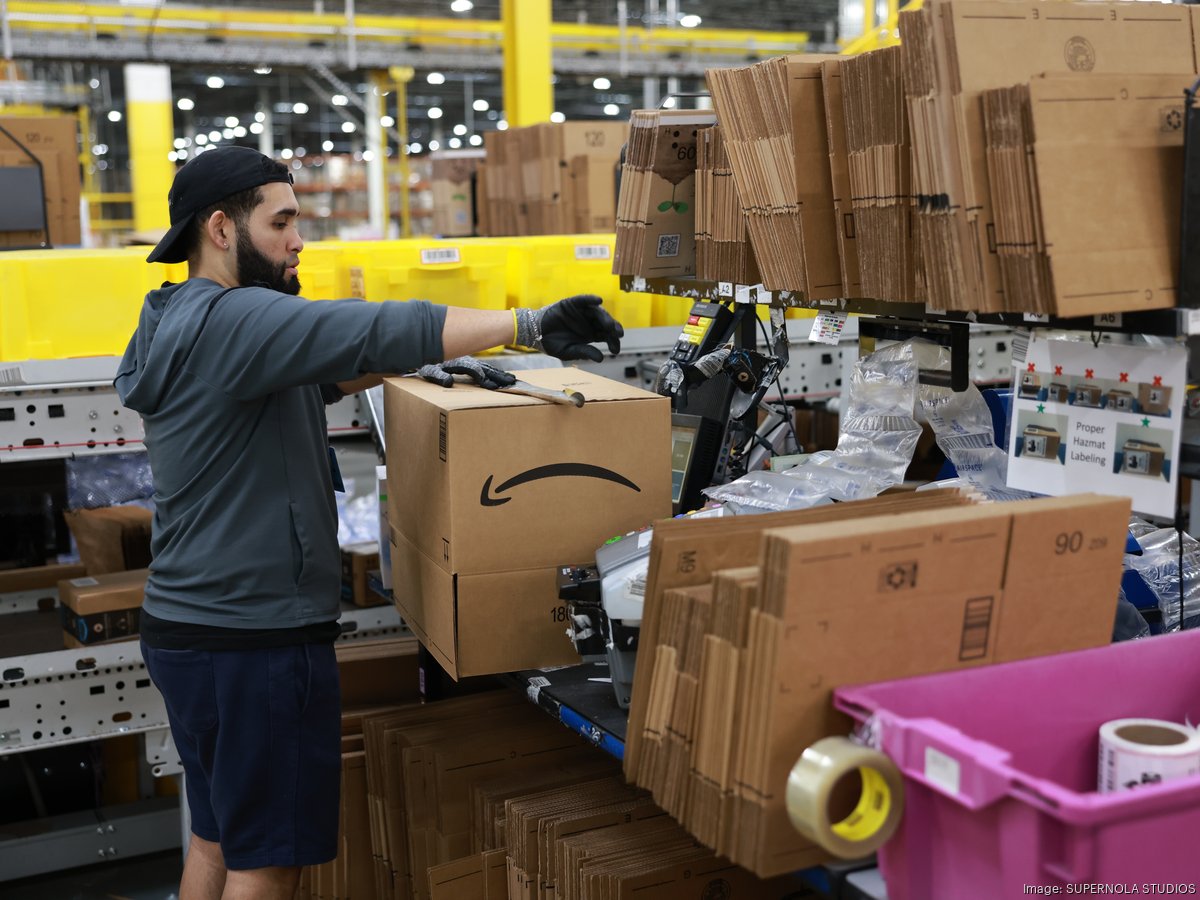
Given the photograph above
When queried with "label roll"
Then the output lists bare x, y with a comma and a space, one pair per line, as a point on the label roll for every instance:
822, 769
1135, 752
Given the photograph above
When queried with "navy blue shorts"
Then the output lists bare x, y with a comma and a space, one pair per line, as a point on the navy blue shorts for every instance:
259, 735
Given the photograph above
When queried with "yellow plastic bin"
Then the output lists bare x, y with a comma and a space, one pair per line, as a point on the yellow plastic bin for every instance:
324, 274
462, 272
546, 268
56, 304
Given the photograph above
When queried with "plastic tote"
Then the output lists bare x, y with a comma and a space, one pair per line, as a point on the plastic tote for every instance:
999, 766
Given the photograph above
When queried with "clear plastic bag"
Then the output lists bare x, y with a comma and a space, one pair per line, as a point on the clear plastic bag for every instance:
1129, 624
879, 433
358, 517
1159, 567
109, 480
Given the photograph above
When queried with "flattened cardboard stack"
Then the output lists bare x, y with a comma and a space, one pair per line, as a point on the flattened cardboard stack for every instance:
739, 663
880, 171
552, 178
953, 51
723, 251
656, 211
53, 140
1054, 147
839, 167
452, 177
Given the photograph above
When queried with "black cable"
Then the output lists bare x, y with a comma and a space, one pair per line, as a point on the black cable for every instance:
791, 419
153, 25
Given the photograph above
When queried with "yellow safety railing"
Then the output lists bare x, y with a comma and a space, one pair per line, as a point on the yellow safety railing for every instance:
885, 34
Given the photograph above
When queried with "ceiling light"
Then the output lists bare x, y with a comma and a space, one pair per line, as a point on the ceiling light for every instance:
300, 108
339, 100
260, 116
480, 105
475, 140
202, 139
301, 152
180, 143
286, 153
435, 78
240, 131
461, 6
434, 145
454, 143
414, 147
114, 115
227, 134
435, 112
368, 156
460, 129
387, 121
502, 125
611, 109
257, 128
327, 146
94, 83
171, 156
215, 82
690, 21
602, 84
348, 127
187, 104
100, 149
231, 122
214, 135
557, 117
181, 154
262, 70
669, 103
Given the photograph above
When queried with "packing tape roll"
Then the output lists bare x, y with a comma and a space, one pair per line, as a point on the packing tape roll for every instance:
1134, 752
876, 815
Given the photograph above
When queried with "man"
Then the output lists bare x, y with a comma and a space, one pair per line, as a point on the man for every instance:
230, 371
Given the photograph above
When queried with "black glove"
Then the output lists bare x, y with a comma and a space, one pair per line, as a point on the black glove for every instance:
566, 329
483, 375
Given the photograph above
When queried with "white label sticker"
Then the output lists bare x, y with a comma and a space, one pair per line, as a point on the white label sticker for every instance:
742, 294
942, 771
827, 327
929, 310
84, 582
535, 687
1108, 320
11, 375
644, 539
1034, 317
439, 256
1192, 322
592, 251
724, 288
827, 302
639, 284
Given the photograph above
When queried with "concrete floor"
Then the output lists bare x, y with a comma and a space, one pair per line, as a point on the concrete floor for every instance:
153, 877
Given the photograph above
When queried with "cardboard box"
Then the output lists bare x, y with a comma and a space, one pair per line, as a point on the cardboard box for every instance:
839, 165
487, 481
357, 561
54, 141
483, 623
38, 578
103, 608
111, 538
452, 173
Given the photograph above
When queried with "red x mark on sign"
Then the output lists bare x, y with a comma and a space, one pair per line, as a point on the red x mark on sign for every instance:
1124, 377
1158, 381
1058, 370
1089, 373
1030, 368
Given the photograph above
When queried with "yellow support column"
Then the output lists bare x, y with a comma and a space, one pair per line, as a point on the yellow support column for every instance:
401, 76
151, 132
528, 93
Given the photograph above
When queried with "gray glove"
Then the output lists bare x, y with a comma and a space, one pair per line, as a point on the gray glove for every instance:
483, 375
567, 329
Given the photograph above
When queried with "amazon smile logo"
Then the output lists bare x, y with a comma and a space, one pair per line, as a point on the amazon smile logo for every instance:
490, 497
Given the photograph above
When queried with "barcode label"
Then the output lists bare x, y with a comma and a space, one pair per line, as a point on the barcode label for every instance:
977, 622
592, 251
535, 687
443, 436
439, 256
942, 771
11, 375
637, 586
639, 284
1020, 347
357, 283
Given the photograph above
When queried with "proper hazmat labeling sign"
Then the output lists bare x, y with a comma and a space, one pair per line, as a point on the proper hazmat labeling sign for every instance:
1104, 419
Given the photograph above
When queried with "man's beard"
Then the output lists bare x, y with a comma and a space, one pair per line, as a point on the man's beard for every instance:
254, 268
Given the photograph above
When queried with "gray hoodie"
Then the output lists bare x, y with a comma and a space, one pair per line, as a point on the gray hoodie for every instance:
228, 384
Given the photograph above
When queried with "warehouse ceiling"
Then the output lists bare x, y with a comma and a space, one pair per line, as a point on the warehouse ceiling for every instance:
301, 106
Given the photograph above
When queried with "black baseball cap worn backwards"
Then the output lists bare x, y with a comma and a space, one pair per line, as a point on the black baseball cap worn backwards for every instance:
207, 179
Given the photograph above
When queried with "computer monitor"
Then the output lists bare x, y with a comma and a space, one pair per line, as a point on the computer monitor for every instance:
683, 445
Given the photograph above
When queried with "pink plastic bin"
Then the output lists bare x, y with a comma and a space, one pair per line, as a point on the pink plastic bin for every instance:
999, 767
